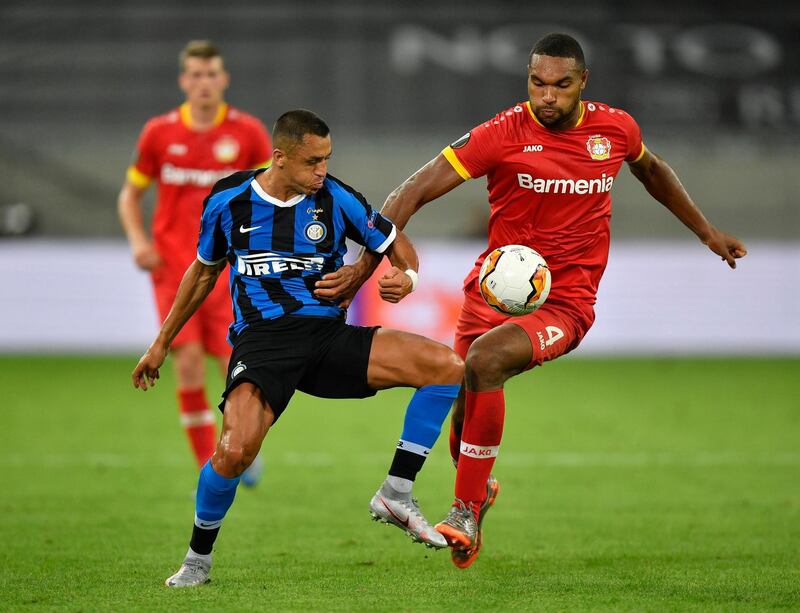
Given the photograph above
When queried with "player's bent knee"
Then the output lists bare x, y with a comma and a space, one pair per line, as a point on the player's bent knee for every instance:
453, 369
443, 367
227, 460
488, 367
231, 459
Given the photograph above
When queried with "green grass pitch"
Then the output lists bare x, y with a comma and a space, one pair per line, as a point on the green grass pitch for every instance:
627, 485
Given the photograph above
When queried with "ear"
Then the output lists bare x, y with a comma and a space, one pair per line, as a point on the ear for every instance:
584, 77
226, 79
278, 158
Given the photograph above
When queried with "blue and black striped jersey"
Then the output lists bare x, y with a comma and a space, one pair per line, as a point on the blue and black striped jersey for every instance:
278, 250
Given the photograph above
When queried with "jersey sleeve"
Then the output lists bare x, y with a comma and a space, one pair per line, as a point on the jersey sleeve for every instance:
635, 146
212, 246
478, 151
375, 231
365, 225
144, 167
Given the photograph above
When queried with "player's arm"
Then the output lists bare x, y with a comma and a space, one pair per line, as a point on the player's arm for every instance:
431, 181
197, 283
129, 207
663, 184
401, 279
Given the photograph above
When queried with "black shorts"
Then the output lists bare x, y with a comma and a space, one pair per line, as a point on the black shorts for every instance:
320, 356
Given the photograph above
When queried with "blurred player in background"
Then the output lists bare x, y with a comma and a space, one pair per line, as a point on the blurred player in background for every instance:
550, 163
281, 229
185, 152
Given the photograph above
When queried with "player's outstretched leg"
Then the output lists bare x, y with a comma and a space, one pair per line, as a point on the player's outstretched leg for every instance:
393, 502
400, 358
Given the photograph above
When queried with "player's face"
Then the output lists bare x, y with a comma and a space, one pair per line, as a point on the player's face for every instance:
306, 164
204, 81
554, 88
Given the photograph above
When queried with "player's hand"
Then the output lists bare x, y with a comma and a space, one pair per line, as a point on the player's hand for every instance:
339, 286
146, 256
146, 370
728, 247
394, 285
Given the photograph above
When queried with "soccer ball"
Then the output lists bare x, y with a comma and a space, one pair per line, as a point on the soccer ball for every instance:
514, 280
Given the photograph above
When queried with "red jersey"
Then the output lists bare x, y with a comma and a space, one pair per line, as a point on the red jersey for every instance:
550, 189
186, 163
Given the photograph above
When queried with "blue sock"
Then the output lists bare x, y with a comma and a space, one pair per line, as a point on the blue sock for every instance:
214, 497
425, 415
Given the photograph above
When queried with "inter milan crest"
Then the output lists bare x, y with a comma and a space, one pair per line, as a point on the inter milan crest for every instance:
315, 231
238, 369
599, 147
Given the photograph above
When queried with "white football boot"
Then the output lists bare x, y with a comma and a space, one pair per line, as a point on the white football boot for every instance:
194, 571
402, 510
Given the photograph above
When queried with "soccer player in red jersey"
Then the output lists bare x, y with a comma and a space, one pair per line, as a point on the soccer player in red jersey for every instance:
186, 151
550, 164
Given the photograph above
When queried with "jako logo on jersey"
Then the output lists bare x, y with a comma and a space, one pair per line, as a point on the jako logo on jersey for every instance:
599, 147
532, 148
238, 369
174, 175
566, 186
258, 264
315, 231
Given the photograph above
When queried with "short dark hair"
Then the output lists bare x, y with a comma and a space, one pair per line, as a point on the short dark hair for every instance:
292, 126
204, 49
558, 44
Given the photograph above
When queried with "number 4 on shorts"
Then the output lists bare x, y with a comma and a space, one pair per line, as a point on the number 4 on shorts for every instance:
553, 334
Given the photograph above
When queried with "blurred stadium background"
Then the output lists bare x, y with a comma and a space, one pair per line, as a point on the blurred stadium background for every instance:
716, 91
661, 481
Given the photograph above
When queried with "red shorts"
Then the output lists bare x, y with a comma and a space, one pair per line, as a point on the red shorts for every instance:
209, 325
553, 329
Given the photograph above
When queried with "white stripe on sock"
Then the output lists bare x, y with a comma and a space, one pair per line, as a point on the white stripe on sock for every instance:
413, 447
479, 452
206, 525
197, 418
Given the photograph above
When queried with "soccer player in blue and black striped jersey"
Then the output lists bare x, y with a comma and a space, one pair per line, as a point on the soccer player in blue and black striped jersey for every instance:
281, 229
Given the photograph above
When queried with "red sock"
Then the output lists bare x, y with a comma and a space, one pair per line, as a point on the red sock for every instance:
455, 443
199, 423
483, 428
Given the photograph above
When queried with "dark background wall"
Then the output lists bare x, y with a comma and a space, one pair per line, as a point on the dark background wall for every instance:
716, 91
